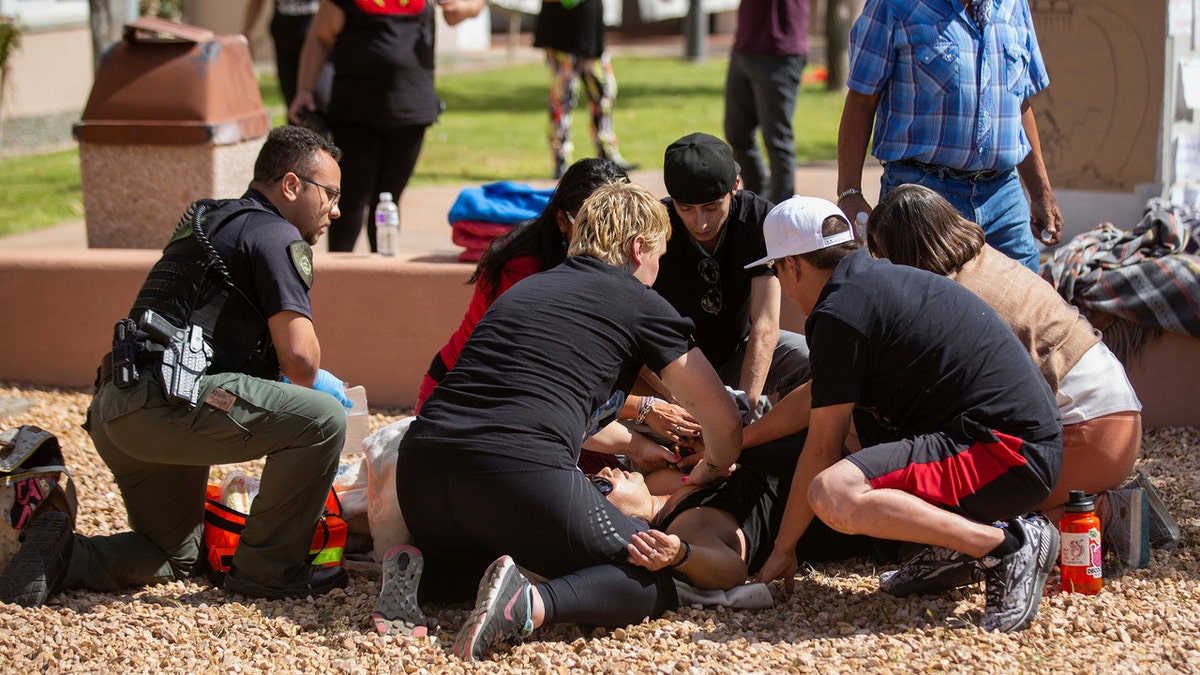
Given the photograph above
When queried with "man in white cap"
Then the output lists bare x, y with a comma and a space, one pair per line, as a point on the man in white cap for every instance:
960, 433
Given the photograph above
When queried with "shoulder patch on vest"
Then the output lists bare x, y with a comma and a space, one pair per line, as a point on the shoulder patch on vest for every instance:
301, 254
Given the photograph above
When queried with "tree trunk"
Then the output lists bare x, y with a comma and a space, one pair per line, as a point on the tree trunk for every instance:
103, 31
108, 19
839, 16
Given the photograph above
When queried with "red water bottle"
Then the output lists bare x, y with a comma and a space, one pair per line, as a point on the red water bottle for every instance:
1081, 557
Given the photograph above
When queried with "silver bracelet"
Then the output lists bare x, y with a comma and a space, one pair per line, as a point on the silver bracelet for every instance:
645, 405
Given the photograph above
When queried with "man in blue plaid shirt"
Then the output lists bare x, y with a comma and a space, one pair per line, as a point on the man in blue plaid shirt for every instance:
946, 84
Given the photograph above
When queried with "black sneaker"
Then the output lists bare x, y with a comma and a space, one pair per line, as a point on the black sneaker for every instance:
932, 570
503, 611
396, 611
1015, 581
37, 569
301, 583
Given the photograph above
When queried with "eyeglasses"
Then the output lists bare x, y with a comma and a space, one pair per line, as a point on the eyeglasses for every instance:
771, 266
602, 484
710, 272
333, 194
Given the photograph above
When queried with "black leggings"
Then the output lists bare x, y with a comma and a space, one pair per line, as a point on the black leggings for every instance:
553, 522
373, 161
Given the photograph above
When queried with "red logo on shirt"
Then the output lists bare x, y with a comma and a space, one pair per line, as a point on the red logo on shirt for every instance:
391, 7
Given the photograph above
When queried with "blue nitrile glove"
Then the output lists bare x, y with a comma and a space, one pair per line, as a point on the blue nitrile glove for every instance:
328, 383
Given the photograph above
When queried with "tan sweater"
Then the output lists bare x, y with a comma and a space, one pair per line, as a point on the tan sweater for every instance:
1053, 331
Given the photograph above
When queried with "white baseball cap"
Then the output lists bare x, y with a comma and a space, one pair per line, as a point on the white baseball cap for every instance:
794, 227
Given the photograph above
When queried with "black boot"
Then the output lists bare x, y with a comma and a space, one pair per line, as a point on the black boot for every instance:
37, 570
299, 583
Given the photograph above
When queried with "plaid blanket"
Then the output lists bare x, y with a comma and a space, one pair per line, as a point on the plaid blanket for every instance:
1134, 284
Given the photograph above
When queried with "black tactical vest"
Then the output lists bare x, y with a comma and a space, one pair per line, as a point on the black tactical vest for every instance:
191, 285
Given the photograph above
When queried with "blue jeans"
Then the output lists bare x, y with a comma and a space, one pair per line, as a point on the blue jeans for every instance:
998, 205
760, 93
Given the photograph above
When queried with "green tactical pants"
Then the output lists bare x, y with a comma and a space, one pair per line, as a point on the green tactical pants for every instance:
160, 453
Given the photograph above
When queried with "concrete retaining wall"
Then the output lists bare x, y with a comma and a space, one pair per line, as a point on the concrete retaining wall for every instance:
379, 321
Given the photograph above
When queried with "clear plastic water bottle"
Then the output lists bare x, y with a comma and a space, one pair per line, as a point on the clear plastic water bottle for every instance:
860, 226
387, 225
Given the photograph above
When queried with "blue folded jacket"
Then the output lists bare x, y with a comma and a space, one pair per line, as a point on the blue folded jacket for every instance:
504, 202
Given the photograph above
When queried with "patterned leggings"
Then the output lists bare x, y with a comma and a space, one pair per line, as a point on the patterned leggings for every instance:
566, 72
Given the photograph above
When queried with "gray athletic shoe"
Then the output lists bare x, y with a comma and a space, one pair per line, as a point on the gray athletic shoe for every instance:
503, 611
1164, 531
396, 611
932, 570
1126, 533
1015, 581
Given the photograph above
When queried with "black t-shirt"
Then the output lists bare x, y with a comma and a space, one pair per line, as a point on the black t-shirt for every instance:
680, 282
548, 352
578, 31
383, 67
755, 496
921, 354
256, 247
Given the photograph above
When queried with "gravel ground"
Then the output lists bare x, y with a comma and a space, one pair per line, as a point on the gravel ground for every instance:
835, 621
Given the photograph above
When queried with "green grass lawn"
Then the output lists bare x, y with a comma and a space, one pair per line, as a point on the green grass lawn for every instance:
39, 190
495, 125
494, 128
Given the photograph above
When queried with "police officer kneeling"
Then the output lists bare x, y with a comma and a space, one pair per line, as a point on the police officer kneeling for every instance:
194, 380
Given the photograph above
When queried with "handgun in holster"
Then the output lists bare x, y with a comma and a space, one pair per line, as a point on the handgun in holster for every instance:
185, 357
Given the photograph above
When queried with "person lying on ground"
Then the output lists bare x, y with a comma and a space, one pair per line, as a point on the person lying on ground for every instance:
718, 535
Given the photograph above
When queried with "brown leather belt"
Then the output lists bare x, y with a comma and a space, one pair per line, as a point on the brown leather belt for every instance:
956, 174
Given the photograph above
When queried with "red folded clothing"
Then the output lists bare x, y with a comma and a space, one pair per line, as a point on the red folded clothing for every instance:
477, 234
482, 228
468, 240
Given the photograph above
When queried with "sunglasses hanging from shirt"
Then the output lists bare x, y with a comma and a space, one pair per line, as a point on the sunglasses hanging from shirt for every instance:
710, 272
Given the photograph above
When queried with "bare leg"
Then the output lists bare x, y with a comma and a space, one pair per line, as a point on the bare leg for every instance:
843, 498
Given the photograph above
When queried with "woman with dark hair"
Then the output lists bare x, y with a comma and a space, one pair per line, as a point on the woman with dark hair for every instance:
530, 248
717, 535
1102, 423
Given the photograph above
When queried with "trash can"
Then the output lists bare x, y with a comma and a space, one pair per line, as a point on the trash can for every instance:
174, 115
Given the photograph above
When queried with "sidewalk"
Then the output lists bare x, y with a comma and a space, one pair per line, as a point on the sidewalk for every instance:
424, 230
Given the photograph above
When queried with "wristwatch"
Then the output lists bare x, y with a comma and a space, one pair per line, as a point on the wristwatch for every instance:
847, 192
